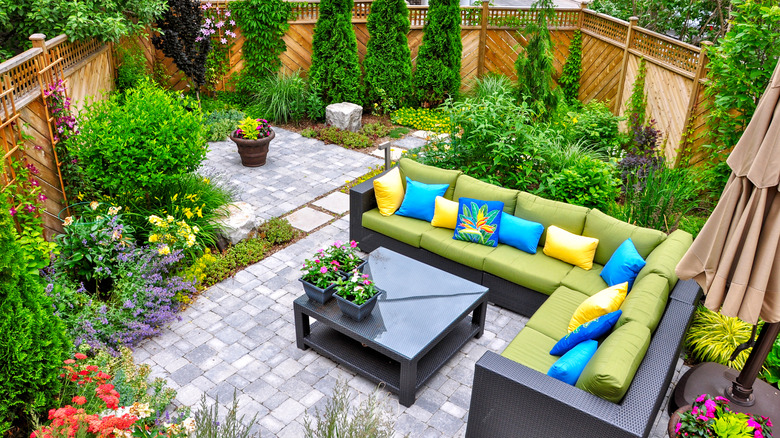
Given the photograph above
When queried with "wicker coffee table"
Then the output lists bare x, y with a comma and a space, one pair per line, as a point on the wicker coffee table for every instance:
423, 317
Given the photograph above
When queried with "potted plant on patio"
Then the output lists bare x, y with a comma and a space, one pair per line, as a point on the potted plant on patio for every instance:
320, 276
711, 416
253, 137
356, 295
346, 256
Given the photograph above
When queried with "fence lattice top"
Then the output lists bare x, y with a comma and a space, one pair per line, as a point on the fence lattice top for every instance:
612, 28
664, 49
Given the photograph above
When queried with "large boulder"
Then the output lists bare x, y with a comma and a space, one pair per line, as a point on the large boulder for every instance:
239, 222
344, 115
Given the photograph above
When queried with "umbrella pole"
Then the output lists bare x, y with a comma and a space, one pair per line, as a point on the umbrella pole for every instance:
741, 391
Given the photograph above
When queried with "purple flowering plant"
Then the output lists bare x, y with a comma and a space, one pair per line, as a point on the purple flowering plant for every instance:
146, 295
711, 417
218, 26
253, 129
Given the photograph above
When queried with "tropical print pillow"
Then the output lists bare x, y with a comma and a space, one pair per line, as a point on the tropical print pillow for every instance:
478, 221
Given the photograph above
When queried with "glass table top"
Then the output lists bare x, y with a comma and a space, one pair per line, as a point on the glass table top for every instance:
418, 302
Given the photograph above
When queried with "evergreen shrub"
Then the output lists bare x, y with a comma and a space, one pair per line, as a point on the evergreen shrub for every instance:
437, 75
388, 61
335, 68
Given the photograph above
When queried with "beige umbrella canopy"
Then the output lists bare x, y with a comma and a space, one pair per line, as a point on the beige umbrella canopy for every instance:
736, 260
736, 257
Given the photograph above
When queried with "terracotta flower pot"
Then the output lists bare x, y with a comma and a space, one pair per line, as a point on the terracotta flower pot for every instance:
253, 152
675, 418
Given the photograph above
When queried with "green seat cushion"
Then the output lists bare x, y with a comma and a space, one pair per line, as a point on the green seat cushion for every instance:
533, 208
428, 175
552, 318
534, 271
587, 282
404, 229
612, 232
646, 302
531, 349
468, 187
664, 259
611, 370
439, 241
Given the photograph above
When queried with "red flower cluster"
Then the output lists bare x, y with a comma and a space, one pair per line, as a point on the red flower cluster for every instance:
82, 374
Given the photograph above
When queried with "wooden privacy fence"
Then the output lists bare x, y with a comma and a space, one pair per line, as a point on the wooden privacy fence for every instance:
611, 53
87, 69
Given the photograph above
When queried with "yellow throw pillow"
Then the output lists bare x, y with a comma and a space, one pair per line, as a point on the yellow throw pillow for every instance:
445, 213
606, 301
389, 191
570, 248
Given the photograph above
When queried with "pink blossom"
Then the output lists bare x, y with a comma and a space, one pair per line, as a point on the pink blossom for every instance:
702, 418
316, 260
220, 24
701, 398
30, 208
223, 41
232, 23
353, 244
41, 197
367, 282
227, 13
208, 5
204, 7
34, 182
12, 211
677, 428
198, 39
323, 270
710, 405
336, 243
757, 434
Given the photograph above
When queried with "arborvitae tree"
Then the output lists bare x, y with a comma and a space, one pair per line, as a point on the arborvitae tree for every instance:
570, 78
181, 39
535, 64
437, 75
388, 61
335, 68
33, 343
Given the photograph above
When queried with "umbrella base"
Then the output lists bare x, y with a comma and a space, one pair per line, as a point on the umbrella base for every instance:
714, 379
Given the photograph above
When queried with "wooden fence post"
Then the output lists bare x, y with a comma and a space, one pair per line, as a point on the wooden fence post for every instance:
581, 18
621, 85
703, 61
39, 42
482, 49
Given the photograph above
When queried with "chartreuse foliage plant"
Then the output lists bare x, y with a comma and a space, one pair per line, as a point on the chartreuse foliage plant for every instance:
335, 68
437, 75
424, 119
713, 338
263, 24
388, 62
134, 142
490, 85
33, 343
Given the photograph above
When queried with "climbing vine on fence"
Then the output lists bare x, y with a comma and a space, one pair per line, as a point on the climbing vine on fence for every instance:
570, 78
263, 24
636, 107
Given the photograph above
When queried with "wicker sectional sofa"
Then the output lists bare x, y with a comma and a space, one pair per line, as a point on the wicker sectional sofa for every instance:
511, 395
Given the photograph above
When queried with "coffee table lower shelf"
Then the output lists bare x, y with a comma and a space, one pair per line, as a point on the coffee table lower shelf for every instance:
379, 368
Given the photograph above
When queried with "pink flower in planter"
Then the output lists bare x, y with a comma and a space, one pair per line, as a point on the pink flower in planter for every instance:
323, 270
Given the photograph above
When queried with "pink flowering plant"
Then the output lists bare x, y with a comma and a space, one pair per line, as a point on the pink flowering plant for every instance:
711, 417
320, 270
346, 254
218, 26
253, 129
357, 288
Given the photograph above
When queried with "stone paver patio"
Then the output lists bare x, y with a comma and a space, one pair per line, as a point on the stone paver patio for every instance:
239, 334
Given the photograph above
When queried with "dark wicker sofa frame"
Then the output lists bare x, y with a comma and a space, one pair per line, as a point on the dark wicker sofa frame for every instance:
511, 400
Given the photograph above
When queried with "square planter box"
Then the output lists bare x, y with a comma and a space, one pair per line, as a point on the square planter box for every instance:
354, 311
316, 293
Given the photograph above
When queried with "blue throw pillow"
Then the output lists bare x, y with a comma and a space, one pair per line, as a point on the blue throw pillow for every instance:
590, 330
420, 199
520, 233
624, 265
569, 367
478, 221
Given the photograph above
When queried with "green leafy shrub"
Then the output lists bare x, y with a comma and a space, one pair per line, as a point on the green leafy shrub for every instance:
388, 61
660, 199
277, 231
490, 85
572, 69
221, 123
132, 68
263, 24
437, 75
713, 338
589, 182
282, 97
335, 69
370, 418
33, 342
692, 224
136, 143
423, 118
534, 65
596, 127
375, 130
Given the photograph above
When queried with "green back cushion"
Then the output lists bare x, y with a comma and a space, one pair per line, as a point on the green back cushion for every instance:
663, 260
468, 187
401, 228
611, 370
428, 175
533, 208
612, 232
646, 302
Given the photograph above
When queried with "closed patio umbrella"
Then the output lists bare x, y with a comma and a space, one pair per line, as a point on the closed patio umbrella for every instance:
736, 260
